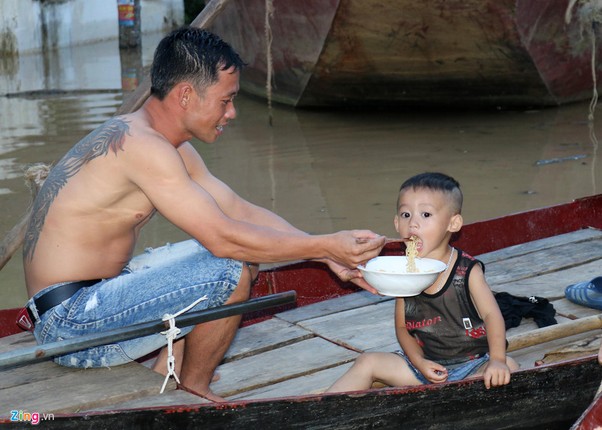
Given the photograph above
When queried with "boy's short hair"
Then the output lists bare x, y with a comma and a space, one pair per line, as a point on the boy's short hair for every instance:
437, 182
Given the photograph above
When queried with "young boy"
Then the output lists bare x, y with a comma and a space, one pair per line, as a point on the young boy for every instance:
454, 329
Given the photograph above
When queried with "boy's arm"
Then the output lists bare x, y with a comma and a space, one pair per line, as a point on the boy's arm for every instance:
432, 371
406, 341
497, 371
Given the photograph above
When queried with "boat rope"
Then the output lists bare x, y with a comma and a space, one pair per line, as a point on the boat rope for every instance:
594, 101
590, 15
171, 335
269, 13
594, 140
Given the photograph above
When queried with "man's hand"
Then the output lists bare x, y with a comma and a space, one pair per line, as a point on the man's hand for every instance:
355, 247
350, 275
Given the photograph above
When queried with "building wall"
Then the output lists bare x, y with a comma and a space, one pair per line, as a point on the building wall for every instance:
28, 26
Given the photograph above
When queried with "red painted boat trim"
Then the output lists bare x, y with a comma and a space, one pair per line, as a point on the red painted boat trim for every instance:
486, 236
7, 322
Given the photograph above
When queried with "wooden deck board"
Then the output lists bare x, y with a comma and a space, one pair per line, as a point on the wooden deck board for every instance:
529, 356
169, 398
549, 260
71, 390
270, 334
15, 341
48, 387
31, 374
313, 383
359, 329
541, 244
274, 366
572, 310
328, 307
551, 285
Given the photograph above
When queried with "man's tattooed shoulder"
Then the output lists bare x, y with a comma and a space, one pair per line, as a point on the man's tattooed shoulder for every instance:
109, 137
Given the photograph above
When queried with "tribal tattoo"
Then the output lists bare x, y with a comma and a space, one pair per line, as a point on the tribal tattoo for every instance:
108, 137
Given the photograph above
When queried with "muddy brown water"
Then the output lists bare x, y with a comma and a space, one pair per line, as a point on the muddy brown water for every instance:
321, 170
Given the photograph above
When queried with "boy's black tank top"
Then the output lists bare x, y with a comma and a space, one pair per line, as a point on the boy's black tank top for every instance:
446, 324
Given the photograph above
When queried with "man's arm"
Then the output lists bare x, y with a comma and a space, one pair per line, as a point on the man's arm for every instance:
181, 188
241, 209
230, 203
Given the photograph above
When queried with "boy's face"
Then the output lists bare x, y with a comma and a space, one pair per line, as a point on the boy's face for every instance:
428, 215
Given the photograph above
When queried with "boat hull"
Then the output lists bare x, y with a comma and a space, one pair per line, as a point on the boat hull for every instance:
549, 397
401, 53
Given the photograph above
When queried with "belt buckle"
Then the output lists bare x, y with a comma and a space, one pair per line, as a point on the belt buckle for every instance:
24, 319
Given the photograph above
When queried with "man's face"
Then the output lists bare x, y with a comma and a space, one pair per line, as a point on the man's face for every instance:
213, 109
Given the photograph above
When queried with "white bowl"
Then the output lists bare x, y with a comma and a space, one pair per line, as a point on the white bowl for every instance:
389, 276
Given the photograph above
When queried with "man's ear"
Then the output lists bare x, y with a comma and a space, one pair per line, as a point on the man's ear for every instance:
456, 222
184, 92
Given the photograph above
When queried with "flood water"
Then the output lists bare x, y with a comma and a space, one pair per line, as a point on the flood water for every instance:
321, 170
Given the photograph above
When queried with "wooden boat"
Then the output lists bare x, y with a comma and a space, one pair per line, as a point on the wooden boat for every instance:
403, 53
281, 361
591, 419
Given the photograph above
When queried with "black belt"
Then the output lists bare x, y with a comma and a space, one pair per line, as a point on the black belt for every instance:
58, 295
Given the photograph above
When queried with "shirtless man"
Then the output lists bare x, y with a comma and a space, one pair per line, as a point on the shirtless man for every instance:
89, 212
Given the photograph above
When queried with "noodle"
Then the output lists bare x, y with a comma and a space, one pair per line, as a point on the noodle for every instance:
411, 253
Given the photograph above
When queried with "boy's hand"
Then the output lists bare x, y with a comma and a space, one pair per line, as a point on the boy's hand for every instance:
496, 373
433, 372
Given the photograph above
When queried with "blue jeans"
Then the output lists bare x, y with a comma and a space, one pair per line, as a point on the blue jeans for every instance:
455, 372
162, 280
